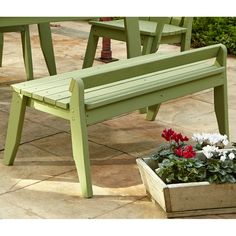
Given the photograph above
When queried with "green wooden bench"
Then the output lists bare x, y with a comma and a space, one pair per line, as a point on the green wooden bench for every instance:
99, 93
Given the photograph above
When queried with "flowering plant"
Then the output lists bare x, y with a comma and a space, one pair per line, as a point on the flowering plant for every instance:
207, 160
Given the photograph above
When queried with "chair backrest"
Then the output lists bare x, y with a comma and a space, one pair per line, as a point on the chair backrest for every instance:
178, 21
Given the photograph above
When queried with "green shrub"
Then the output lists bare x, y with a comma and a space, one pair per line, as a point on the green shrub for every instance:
212, 30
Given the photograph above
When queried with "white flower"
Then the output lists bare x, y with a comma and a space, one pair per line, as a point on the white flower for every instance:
209, 150
222, 158
231, 156
214, 139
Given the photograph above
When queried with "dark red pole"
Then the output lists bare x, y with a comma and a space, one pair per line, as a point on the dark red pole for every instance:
106, 53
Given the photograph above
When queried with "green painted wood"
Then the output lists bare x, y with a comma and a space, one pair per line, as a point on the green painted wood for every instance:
45, 40
1, 48
141, 86
99, 93
50, 109
45, 37
125, 106
27, 55
91, 50
133, 41
80, 137
135, 67
15, 124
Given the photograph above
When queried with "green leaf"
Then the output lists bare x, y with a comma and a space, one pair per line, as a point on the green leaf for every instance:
230, 179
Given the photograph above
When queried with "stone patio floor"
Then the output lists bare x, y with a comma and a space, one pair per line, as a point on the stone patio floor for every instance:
43, 182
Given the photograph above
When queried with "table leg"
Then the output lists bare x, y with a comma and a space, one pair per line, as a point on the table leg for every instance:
47, 47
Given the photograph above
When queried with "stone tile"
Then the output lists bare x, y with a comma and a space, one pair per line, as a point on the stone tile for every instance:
48, 120
13, 211
209, 96
32, 165
182, 110
140, 209
59, 198
130, 133
60, 145
31, 130
232, 126
5, 97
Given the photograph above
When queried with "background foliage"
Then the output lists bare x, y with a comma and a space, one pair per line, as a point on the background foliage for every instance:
212, 30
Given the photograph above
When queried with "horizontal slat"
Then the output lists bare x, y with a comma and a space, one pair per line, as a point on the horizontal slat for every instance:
145, 85
58, 94
145, 27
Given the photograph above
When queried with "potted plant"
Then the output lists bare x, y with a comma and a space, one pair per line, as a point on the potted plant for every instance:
188, 180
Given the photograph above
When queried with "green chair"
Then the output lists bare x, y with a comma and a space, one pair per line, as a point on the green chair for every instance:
176, 30
45, 42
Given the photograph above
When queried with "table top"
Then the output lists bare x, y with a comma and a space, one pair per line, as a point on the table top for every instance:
13, 21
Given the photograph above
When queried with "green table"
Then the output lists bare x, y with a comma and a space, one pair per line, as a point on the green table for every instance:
11, 24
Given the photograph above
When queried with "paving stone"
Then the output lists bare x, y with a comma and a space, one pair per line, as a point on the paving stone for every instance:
140, 209
32, 165
60, 198
31, 130
60, 144
13, 211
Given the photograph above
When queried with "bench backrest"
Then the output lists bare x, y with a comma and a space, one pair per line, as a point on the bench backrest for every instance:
137, 66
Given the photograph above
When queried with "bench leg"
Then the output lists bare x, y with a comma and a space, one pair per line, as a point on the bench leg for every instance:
90, 49
45, 37
15, 124
152, 112
26, 47
147, 45
79, 138
221, 108
1, 48
81, 154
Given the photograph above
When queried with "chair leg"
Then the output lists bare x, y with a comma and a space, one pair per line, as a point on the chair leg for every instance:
152, 110
45, 37
185, 42
147, 45
1, 48
27, 54
221, 108
15, 125
90, 49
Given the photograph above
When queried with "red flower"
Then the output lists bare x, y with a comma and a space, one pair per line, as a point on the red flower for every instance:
179, 151
167, 134
186, 152
170, 134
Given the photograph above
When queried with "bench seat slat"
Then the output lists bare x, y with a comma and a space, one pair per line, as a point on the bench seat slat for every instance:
169, 72
47, 85
138, 88
133, 87
58, 94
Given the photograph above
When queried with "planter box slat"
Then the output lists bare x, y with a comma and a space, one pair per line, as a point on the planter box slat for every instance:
188, 199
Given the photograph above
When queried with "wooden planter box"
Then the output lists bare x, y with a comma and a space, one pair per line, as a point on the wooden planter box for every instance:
187, 199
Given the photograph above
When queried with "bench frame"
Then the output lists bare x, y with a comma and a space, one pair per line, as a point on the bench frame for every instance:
80, 117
